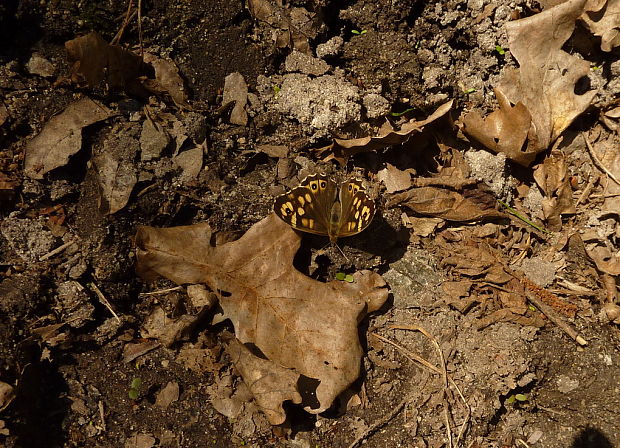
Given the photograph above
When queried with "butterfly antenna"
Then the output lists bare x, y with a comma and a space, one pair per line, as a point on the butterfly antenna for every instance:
340, 250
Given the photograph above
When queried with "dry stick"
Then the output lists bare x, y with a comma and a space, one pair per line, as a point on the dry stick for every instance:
553, 317
58, 250
597, 161
103, 300
128, 16
161, 291
140, 28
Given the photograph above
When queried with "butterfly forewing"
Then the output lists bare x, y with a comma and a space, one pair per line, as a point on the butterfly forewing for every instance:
308, 206
357, 208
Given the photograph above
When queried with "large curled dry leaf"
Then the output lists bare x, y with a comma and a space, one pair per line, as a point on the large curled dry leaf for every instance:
341, 149
602, 17
543, 87
95, 61
503, 131
469, 205
546, 78
296, 322
61, 137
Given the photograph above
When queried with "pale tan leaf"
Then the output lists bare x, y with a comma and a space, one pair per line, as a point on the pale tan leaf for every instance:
272, 305
61, 137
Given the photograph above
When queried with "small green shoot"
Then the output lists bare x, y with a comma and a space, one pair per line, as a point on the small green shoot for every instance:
359, 33
134, 390
515, 213
468, 91
516, 397
344, 277
276, 90
400, 114
500, 50
595, 68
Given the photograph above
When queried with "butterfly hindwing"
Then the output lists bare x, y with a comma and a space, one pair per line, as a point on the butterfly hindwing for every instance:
307, 207
357, 208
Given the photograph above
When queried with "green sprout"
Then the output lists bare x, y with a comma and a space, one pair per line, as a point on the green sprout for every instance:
595, 68
344, 277
500, 50
398, 114
276, 90
516, 397
468, 91
134, 390
359, 33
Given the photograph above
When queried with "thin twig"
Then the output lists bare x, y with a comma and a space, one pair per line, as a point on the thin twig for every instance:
56, 251
597, 161
103, 300
553, 317
160, 291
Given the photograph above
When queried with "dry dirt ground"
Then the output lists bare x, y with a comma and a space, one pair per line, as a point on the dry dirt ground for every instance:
497, 240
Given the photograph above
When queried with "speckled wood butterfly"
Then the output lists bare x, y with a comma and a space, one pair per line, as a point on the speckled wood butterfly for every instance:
319, 205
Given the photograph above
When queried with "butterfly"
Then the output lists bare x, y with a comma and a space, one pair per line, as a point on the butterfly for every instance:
321, 206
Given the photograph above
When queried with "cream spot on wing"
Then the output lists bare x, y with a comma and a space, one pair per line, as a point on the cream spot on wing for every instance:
286, 207
308, 197
351, 225
311, 223
294, 219
359, 224
304, 222
357, 214
301, 200
356, 202
365, 212
300, 211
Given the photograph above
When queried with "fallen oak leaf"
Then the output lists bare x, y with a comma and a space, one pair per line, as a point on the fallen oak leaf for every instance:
296, 322
547, 75
602, 19
504, 130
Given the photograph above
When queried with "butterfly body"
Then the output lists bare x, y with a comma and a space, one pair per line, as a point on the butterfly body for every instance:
320, 206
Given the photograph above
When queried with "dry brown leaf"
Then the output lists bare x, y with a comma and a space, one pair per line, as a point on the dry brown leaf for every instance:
116, 181
7, 394
602, 17
167, 80
606, 261
140, 441
168, 395
133, 351
503, 131
270, 383
553, 179
95, 61
546, 78
469, 205
61, 137
236, 90
293, 26
167, 330
394, 179
296, 322
341, 149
